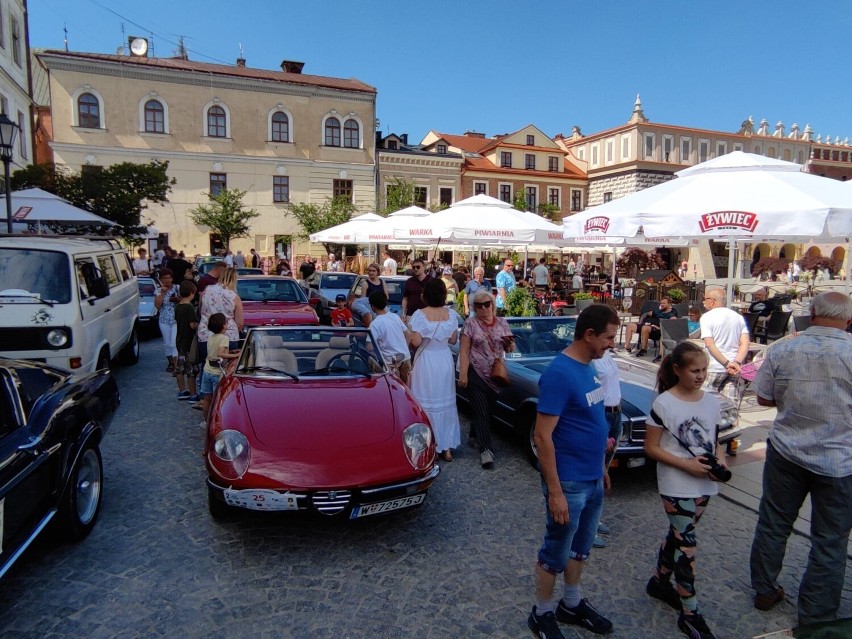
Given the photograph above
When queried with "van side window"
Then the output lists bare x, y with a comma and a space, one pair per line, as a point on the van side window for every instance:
82, 281
108, 270
124, 266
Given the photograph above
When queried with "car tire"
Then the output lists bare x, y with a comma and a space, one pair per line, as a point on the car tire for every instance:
219, 510
530, 448
129, 355
81, 501
103, 359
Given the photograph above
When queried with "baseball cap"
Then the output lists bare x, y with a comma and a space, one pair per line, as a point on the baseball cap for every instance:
447, 270
340, 298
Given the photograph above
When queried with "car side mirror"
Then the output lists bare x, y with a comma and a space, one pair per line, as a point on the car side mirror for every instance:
99, 287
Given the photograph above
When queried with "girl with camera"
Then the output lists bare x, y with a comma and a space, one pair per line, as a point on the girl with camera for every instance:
681, 437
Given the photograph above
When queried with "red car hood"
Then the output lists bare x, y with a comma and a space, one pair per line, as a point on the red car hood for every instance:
278, 314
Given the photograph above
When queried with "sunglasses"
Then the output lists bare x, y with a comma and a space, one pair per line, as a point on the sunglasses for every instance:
482, 305
417, 266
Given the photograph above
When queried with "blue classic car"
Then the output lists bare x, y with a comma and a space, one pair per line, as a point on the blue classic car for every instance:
538, 340
51, 427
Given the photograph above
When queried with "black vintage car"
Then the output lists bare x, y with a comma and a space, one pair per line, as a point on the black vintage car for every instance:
538, 340
51, 427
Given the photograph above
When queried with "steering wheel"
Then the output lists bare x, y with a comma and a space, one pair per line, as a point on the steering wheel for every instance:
340, 357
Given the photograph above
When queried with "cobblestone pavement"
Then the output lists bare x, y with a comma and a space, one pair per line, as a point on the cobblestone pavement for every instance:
157, 565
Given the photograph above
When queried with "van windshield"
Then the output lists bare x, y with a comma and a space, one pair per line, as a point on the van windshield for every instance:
42, 273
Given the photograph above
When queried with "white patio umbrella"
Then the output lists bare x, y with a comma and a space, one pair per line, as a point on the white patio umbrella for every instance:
735, 197
383, 231
36, 205
346, 233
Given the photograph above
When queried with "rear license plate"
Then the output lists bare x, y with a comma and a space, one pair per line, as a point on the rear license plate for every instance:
261, 499
387, 506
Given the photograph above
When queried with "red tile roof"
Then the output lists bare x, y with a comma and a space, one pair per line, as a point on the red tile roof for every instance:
179, 64
467, 143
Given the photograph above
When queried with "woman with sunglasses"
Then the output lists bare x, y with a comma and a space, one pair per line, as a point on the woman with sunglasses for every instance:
373, 283
485, 337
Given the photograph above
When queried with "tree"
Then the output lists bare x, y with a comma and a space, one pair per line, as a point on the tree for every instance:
400, 194
634, 260
225, 215
519, 202
118, 193
314, 218
550, 212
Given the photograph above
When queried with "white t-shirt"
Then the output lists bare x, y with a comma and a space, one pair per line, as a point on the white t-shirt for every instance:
141, 267
389, 332
694, 423
607, 375
725, 327
229, 260
541, 274
389, 266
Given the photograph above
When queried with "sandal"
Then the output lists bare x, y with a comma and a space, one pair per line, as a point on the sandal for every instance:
447, 456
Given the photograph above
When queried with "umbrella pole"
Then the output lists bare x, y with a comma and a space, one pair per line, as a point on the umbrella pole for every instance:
612, 282
526, 260
848, 264
732, 253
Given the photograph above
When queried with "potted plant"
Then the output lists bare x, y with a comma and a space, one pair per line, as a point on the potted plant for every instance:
676, 295
520, 302
583, 299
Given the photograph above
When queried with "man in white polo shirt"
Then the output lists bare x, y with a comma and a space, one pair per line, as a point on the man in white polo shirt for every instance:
726, 339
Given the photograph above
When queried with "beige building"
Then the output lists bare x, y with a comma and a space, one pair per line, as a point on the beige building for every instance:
436, 176
281, 136
15, 92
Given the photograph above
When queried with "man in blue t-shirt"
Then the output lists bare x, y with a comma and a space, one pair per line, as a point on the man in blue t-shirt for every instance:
571, 432
505, 282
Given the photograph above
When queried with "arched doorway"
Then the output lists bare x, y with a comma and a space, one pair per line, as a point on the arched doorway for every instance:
813, 252
839, 254
788, 252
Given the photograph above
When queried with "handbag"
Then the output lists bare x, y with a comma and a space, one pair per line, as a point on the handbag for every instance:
499, 372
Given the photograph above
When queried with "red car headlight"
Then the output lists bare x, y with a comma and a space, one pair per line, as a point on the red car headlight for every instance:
418, 443
231, 447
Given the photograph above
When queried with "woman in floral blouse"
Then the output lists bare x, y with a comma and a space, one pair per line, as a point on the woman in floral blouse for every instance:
485, 337
165, 297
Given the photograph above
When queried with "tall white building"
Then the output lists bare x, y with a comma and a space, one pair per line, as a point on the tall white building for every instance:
15, 93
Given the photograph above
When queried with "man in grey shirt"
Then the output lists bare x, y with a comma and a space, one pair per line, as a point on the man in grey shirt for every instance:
809, 379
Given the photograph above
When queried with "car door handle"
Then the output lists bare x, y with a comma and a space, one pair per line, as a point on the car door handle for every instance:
31, 447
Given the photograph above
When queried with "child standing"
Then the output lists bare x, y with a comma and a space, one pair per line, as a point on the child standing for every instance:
217, 348
341, 316
391, 335
682, 412
187, 321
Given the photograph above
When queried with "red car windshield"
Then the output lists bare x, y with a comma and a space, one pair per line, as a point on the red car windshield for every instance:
270, 290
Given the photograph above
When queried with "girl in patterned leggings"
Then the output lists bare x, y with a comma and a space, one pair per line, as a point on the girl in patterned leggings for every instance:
683, 416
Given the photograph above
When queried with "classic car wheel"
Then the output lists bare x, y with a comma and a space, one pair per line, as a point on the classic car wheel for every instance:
129, 355
219, 509
530, 448
81, 502
103, 359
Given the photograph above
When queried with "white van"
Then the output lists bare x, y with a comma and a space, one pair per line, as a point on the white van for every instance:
71, 302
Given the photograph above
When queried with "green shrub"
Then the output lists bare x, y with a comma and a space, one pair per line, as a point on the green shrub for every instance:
583, 295
520, 303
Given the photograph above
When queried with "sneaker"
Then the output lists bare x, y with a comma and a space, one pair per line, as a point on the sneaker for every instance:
628, 349
585, 616
768, 600
194, 398
694, 626
599, 542
657, 359
486, 459
603, 529
642, 352
183, 395
664, 591
544, 626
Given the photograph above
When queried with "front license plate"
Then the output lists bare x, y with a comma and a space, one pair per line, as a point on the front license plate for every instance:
261, 499
387, 506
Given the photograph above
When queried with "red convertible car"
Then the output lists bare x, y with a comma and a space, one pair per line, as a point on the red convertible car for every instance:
273, 300
310, 419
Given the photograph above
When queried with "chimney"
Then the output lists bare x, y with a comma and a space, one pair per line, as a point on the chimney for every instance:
474, 134
289, 66
241, 62
404, 138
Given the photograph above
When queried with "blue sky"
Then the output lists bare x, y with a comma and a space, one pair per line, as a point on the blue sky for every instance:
495, 66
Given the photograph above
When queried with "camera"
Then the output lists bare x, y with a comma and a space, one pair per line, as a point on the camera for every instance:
717, 471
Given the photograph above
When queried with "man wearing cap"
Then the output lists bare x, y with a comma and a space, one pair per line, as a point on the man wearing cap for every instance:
450, 283
341, 316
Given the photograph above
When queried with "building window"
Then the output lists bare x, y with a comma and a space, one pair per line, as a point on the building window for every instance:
668, 145
607, 197
342, 188
351, 134
610, 144
530, 140
4, 105
480, 188
738, 146
506, 193
2, 30
280, 127
581, 153
625, 147
392, 145
421, 196
576, 200
88, 111
22, 135
721, 148
442, 149
553, 164
217, 122
703, 150
529, 162
800, 157
280, 188
446, 196
553, 197
332, 132
649, 145
595, 155
532, 198
788, 155
218, 182
155, 117
16, 40
506, 159
686, 150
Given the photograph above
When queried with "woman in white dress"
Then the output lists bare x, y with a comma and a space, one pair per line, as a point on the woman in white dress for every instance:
433, 329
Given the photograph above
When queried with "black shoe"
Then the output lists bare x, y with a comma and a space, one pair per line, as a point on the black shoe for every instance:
585, 616
694, 626
657, 359
544, 626
642, 352
664, 591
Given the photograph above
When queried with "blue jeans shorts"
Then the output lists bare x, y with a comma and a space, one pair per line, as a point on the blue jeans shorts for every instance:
208, 383
574, 539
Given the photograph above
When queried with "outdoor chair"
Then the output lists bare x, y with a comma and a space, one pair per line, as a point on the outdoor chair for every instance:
801, 322
751, 323
672, 332
775, 327
682, 309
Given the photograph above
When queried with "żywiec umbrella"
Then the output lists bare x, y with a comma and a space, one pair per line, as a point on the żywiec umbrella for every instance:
735, 197
36, 206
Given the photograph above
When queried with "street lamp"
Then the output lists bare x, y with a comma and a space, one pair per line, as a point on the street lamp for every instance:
8, 133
